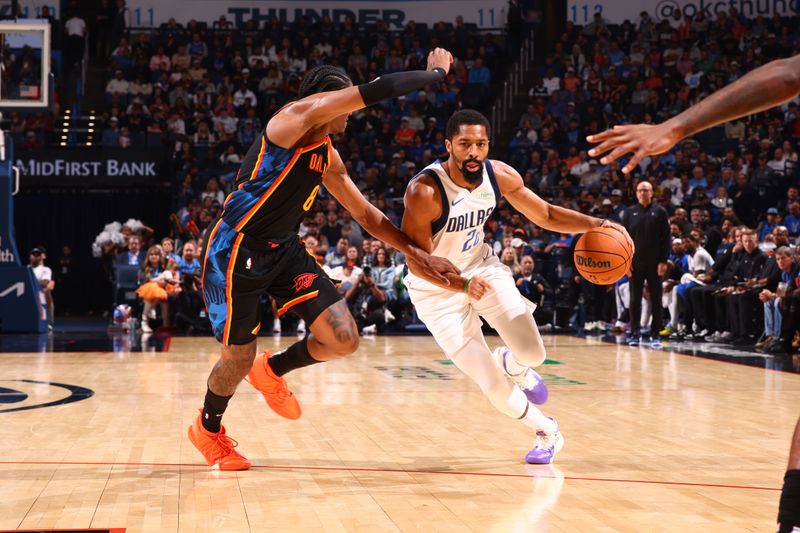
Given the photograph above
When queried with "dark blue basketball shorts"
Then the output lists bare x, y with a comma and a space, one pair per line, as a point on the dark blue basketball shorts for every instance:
237, 270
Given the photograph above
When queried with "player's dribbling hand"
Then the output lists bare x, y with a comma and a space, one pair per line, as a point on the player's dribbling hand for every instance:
440, 58
621, 229
477, 288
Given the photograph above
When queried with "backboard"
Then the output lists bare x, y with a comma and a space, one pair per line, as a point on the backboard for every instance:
24, 64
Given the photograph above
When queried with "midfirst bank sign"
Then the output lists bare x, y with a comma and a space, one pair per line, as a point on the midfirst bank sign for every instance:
86, 169
90, 166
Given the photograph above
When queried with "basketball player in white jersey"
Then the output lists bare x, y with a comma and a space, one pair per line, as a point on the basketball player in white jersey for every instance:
447, 205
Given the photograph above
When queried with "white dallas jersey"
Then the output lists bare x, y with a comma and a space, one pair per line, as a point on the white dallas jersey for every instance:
701, 261
458, 232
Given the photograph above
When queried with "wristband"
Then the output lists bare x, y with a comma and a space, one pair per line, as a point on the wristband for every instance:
398, 84
466, 285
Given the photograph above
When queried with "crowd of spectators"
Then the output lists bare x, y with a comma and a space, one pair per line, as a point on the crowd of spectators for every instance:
166, 274
730, 192
205, 94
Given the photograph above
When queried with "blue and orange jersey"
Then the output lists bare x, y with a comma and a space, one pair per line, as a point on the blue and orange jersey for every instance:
275, 187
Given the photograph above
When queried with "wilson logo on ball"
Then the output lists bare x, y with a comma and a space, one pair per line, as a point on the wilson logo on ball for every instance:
588, 262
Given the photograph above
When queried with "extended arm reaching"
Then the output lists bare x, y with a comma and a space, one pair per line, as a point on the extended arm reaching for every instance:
375, 222
763, 88
312, 111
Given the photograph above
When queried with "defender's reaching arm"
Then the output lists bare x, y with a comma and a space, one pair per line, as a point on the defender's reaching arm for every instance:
763, 88
375, 222
318, 109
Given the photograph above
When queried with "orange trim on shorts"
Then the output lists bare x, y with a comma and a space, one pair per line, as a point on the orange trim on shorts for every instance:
229, 289
278, 181
300, 299
205, 257
256, 329
314, 257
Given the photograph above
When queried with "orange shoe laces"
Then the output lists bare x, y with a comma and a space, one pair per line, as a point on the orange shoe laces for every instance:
282, 391
226, 443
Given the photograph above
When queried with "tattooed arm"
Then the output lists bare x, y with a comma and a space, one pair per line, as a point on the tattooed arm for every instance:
763, 88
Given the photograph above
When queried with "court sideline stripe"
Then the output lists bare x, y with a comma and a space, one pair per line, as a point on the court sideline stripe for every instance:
400, 471
701, 356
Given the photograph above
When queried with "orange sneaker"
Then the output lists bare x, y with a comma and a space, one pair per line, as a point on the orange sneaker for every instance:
273, 388
217, 448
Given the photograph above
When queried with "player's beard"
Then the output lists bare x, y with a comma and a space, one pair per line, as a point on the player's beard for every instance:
475, 176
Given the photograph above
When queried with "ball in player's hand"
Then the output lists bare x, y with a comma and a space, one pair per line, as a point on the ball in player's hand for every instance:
603, 255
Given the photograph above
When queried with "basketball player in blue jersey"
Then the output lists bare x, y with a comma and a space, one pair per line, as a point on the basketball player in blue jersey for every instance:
447, 205
254, 248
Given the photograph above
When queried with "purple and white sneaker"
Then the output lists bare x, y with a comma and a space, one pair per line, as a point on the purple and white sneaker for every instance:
528, 380
545, 448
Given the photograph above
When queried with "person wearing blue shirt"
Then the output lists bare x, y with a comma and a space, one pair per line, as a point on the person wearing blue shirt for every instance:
110, 136
678, 255
555, 106
615, 54
792, 221
134, 256
479, 73
778, 289
766, 226
668, 159
168, 249
698, 179
188, 263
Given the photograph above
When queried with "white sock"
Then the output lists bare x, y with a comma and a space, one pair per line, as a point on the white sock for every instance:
476, 361
536, 420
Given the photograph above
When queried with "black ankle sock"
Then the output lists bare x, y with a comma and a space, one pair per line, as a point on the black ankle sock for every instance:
295, 356
213, 408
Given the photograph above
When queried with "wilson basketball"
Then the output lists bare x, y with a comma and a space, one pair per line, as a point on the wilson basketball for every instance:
602, 255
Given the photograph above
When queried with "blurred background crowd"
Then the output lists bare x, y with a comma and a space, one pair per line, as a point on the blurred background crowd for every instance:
204, 92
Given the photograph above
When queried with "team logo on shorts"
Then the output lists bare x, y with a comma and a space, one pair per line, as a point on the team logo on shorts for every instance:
303, 281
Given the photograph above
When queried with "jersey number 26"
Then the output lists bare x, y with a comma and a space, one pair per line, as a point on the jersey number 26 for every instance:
474, 237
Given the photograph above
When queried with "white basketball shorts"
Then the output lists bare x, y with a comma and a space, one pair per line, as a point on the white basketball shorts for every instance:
453, 318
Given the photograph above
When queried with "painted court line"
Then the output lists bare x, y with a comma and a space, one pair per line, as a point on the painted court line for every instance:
398, 471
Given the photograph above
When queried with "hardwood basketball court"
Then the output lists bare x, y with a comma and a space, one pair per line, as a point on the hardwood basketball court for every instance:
394, 438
